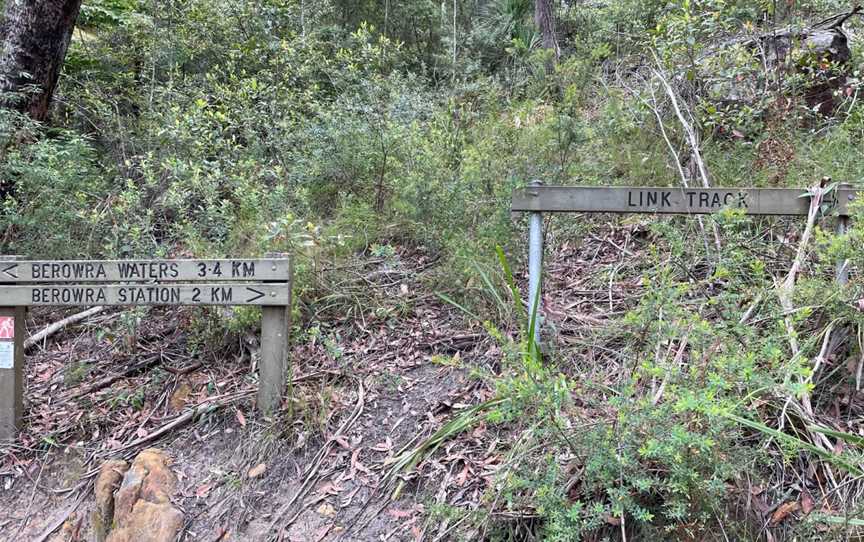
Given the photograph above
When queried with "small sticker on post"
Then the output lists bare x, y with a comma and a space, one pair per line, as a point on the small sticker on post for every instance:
7, 327
7, 355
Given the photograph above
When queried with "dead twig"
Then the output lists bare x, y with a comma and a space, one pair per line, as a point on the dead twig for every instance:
858, 373
108, 380
50, 330
315, 465
785, 291
692, 140
30, 502
679, 356
61, 518
185, 370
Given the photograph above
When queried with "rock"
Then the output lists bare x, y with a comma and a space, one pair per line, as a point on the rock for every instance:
110, 476
149, 522
142, 509
257, 470
69, 531
149, 479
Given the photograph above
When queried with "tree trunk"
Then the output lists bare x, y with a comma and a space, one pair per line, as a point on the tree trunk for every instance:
35, 36
544, 19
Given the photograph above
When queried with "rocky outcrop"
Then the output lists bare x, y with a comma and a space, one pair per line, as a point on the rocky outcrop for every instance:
109, 479
140, 510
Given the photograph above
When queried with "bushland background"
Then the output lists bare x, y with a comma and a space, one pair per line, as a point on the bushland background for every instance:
702, 377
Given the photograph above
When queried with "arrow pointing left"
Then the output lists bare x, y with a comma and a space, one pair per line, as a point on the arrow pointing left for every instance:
8, 270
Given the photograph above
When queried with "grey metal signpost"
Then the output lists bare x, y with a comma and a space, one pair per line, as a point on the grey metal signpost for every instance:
262, 282
842, 272
537, 199
535, 265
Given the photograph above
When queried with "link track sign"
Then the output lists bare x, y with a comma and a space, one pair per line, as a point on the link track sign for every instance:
537, 199
665, 200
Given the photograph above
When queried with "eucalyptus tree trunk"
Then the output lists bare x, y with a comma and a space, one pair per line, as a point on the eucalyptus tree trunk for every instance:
544, 19
35, 35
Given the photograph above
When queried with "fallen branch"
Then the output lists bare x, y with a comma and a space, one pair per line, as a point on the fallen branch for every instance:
692, 140
61, 517
186, 417
185, 370
785, 291
57, 326
108, 380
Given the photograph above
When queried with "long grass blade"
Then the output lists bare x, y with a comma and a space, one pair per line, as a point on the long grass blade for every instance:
511, 283
779, 435
491, 287
845, 437
466, 419
840, 520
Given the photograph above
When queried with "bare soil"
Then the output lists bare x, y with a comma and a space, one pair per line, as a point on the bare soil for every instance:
369, 381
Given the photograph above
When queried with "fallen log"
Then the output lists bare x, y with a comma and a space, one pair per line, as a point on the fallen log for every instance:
145, 363
48, 331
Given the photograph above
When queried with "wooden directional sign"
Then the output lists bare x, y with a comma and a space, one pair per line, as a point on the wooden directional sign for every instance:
664, 200
265, 282
147, 294
145, 270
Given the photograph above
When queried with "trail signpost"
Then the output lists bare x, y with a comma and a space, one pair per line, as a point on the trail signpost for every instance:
537, 199
664, 200
261, 282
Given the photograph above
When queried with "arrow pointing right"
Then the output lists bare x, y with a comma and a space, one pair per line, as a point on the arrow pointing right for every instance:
8, 270
259, 296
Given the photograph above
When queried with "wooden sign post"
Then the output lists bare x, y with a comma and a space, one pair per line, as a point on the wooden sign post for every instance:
537, 199
11, 363
263, 282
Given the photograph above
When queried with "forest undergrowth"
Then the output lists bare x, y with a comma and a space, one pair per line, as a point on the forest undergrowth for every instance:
698, 378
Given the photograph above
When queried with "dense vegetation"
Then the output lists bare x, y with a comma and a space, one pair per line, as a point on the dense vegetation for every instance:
332, 128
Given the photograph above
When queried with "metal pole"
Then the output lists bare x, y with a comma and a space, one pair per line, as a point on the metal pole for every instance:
535, 264
842, 272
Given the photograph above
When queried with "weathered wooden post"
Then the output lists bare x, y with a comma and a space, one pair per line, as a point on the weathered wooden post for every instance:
535, 263
11, 358
275, 374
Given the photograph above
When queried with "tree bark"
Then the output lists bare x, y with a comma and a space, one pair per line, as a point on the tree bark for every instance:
35, 36
544, 19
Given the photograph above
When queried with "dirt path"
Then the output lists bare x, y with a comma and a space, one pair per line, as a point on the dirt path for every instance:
367, 384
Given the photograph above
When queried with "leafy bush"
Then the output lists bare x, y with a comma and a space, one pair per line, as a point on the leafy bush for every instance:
332, 129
